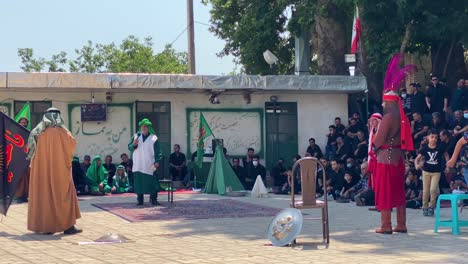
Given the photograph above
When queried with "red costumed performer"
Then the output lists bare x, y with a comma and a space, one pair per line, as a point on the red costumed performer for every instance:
393, 138
374, 123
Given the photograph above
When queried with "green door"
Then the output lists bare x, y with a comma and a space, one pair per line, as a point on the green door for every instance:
159, 113
281, 132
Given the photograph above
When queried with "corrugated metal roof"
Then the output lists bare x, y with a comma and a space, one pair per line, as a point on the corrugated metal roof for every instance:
312, 83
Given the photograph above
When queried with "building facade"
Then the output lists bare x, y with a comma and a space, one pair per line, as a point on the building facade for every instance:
276, 115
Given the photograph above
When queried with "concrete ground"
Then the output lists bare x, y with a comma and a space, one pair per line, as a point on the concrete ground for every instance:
232, 240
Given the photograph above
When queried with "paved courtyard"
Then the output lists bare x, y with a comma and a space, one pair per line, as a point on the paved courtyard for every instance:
231, 240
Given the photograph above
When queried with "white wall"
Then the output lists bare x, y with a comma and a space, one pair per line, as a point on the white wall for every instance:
315, 111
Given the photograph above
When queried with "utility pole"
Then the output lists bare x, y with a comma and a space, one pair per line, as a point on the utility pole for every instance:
190, 38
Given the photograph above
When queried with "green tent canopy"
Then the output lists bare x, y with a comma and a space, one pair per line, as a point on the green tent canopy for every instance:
221, 175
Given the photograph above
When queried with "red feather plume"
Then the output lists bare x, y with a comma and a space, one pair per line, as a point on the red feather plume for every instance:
396, 75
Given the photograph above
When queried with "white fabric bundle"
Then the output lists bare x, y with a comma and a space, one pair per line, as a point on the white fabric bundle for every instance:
259, 190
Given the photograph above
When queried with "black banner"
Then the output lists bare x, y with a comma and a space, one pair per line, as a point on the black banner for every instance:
13, 158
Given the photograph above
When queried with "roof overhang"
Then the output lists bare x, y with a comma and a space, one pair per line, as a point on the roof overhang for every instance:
22, 81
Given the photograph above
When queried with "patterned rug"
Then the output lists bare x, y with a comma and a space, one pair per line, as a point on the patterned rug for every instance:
188, 210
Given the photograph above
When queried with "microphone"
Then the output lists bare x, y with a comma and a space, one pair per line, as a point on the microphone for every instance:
137, 135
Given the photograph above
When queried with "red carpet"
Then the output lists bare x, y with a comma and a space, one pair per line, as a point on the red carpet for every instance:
188, 210
162, 194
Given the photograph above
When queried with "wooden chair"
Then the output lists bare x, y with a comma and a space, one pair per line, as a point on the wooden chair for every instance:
308, 175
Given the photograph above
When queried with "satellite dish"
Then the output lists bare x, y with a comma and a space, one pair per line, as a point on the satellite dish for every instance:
285, 227
270, 58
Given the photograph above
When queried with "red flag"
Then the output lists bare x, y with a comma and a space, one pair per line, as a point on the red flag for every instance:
13, 162
356, 32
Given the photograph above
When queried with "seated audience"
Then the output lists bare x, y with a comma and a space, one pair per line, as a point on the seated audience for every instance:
330, 149
110, 167
343, 150
86, 163
79, 178
253, 171
437, 122
97, 178
418, 129
340, 128
336, 180
120, 181
247, 160
279, 173
346, 191
128, 164
414, 190
361, 149
364, 194
313, 149
177, 164
239, 171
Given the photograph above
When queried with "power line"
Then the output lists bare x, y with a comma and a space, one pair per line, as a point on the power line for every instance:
201, 23
185, 29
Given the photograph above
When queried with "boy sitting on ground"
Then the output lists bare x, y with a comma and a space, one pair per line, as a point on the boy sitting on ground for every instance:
120, 181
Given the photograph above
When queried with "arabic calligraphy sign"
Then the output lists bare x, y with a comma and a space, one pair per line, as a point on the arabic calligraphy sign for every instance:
102, 138
93, 112
239, 129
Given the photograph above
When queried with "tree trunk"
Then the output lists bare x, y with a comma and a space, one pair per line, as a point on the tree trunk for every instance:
450, 60
331, 46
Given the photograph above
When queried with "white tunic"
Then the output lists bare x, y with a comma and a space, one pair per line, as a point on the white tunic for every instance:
143, 155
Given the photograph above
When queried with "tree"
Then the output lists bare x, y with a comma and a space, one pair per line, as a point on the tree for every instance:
130, 56
437, 28
250, 27
29, 63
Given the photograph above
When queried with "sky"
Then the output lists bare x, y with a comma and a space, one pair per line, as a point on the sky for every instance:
51, 26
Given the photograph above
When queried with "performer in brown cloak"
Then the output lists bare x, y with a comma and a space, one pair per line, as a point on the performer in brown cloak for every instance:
392, 139
53, 204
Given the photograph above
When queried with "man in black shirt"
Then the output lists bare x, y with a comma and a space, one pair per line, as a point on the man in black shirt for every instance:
239, 170
279, 173
247, 160
128, 164
253, 171
437, 97
336, 180
86, 163
418, 129
330, 148
417, 99
313, 149
447, 144
460, 96
177, 164
339, 126
458, 125
110, 167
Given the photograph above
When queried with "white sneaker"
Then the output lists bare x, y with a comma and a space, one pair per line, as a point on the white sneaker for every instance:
330, 197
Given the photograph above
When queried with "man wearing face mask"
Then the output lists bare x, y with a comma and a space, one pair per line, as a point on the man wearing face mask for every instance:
253, 171
406, 102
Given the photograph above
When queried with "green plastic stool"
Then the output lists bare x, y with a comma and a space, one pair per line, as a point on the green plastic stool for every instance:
455, 223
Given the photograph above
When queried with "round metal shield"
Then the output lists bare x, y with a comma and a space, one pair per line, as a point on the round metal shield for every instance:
285, 227
112, 238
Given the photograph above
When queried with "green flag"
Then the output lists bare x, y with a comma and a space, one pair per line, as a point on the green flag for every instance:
25, 112
204, 131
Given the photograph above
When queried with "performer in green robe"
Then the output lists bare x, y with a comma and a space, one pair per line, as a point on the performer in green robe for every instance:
96, 178
120, 182
146, 157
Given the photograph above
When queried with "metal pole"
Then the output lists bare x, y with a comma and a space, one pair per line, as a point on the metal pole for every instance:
190, 38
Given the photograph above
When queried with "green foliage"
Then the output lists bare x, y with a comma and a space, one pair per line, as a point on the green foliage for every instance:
433, 22
131, 55
30, 64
